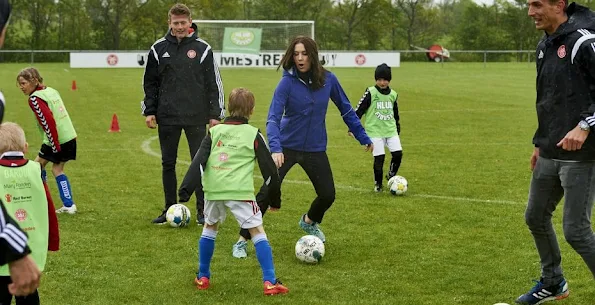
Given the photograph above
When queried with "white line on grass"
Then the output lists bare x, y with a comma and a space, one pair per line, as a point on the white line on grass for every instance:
146, 147
467, 110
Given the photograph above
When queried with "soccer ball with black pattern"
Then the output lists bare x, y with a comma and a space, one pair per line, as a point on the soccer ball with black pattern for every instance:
397, 185
309, 249
178, 215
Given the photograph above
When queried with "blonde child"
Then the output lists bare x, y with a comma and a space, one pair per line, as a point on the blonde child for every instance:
27, 201
225, 164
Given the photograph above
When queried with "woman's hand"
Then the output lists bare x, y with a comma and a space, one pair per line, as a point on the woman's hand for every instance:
279, 159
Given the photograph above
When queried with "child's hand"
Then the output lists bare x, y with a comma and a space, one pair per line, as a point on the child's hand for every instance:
350, 134
369, 147
272, 209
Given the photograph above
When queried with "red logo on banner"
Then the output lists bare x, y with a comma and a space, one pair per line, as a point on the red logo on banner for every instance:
562, 51
360, 59
112, 59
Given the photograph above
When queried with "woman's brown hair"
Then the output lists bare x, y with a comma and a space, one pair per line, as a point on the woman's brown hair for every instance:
318, 71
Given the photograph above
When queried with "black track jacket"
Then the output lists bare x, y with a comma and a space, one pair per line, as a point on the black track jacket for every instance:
566, 85
182, 82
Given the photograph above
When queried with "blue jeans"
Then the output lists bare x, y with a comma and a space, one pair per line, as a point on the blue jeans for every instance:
552, 180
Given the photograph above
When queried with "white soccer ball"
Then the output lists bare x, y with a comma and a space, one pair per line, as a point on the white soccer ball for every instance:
309, 249
178, 215
397, 185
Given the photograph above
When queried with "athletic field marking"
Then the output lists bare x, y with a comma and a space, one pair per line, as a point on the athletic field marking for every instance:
146, 147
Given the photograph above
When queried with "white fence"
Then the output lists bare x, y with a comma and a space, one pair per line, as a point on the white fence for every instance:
271, 59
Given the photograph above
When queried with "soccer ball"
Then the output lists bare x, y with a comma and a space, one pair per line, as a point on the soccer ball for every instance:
397, 185
309, 249
178, 215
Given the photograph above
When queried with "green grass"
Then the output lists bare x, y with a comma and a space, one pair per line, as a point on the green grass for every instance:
457, 237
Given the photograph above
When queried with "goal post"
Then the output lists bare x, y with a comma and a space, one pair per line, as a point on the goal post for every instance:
276, 34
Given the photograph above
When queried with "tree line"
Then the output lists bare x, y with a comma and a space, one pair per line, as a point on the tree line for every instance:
339, 25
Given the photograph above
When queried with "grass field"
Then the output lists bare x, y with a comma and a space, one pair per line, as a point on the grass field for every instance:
457, 237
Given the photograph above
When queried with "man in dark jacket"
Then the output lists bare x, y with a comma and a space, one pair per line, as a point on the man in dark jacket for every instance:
563, 161
4, 18
183, 91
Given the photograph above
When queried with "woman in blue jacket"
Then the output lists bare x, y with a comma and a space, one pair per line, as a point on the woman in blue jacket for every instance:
296, 129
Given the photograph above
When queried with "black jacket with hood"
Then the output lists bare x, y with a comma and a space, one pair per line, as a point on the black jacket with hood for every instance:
182, 82
566, 85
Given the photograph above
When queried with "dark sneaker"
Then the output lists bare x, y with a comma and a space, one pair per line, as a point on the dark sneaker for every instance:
160, 220
390, 175
540, 293
377, 188
200, 220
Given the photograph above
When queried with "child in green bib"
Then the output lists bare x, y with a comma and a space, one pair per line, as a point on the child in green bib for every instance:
27, 201
225, 165
379, 109
56, 129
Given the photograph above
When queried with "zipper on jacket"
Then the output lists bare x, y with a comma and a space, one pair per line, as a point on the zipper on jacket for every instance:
310, 120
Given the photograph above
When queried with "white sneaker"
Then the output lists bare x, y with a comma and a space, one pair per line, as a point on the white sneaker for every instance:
69, 210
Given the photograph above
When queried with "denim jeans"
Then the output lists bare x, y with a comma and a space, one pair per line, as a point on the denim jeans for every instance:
552, 180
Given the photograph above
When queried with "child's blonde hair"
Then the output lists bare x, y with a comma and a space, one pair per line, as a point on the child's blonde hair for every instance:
241, 102
12, 138
31, 75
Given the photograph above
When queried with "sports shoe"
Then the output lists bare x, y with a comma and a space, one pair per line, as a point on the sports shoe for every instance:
377, 188
540, 293
239, 249
202, 283
160, 219
272, 289
68, 210
200, 220
312, 229
390, 175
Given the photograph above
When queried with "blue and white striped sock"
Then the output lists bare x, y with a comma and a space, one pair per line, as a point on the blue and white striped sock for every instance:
264, 253
206, 247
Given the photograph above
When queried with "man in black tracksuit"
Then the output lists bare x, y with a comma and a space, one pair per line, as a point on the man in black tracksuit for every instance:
4, 18
563, 161
183, 91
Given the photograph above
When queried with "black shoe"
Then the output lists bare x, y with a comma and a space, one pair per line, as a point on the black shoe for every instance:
160, 220
200, 220
390, 175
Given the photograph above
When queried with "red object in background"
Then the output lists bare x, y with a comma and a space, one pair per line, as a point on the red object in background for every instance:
115, 125
73, 85
437, 53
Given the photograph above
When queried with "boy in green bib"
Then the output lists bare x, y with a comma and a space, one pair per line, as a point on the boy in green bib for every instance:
225, 164
56, 129
27, 201
380, 110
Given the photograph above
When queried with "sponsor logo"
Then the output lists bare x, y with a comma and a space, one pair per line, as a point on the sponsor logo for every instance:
112, 59
223, 157
242, 38
540, 54
562, 51
8, 198
165, 55
191, 54
20, 214
360, 59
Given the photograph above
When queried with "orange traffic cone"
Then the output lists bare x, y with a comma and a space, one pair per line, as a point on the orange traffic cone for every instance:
115, 125
73, 85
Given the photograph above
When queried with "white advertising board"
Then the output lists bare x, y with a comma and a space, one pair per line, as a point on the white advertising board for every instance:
264, 60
